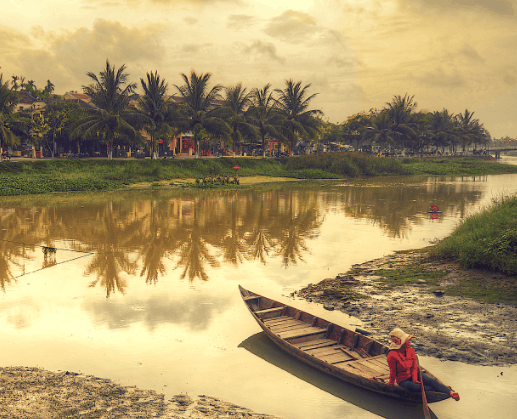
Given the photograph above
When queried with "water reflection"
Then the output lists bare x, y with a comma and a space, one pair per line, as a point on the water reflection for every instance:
137, 233
195, 314
395, 205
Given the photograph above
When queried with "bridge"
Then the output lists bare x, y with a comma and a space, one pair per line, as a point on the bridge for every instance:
497, 151
505, 146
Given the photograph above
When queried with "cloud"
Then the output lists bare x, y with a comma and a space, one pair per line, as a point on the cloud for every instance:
504, 8
240, 22
12, 40
195, 49
263, 50
66, 56
292, 26
510, 75
471, 53
110, 39
441, 78
189, 20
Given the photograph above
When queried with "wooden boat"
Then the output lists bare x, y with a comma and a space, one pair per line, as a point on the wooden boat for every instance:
333, 349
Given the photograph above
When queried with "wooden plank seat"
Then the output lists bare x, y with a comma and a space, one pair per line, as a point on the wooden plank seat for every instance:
278, 320
252, 297
315, 343
336, 358
367, 367
288, 327
306, 331
284, 324
327, 350
269, 312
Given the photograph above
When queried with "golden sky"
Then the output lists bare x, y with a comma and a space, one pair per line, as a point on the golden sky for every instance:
356, 54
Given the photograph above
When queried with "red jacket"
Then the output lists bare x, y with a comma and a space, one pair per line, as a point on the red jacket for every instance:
403, 365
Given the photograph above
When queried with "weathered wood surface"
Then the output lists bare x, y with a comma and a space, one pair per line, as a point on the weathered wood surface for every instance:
339, 351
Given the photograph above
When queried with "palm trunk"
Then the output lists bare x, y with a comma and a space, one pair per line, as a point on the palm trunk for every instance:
153, 147
110, 148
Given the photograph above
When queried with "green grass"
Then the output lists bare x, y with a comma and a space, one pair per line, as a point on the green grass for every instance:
62, 175
465, 166
481, 290
487, 240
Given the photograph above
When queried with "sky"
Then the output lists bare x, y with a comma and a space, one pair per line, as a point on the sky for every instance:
355, 54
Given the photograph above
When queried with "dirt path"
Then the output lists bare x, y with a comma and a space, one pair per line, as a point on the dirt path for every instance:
447, 327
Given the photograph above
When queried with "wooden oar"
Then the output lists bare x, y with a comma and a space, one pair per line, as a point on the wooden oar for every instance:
427, 414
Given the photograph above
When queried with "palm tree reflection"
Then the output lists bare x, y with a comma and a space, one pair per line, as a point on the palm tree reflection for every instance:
111, 237
259, 239
297, 219
135, 233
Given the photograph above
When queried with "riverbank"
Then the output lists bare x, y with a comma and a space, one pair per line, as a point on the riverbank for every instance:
29, 393
44, 176
445, 325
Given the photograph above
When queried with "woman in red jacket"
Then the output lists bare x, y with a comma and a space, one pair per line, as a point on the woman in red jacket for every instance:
404, 367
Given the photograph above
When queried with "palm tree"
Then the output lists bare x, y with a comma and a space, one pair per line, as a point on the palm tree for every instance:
400, 111
8, 101
293, 104
265, 115
380, 131
201, 110
441, 128
112, 115
237, 103
470, 130
14, 82
49, 87
156, 106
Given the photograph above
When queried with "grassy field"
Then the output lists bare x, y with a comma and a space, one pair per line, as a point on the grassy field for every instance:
25, 177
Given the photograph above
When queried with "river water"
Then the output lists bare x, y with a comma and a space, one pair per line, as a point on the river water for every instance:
141, 287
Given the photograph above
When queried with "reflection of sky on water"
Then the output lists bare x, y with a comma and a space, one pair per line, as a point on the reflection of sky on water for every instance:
153, 299
194, 313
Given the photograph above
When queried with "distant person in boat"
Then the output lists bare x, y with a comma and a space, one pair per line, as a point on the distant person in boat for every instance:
404, 368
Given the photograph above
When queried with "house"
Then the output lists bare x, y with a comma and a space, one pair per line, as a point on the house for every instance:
83, 100
25, 101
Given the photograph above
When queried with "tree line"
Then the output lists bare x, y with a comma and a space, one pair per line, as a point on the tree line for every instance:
398, 125
225, 115
229, 115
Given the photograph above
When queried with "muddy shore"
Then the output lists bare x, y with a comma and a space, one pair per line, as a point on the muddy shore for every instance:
30, 393
445, 326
